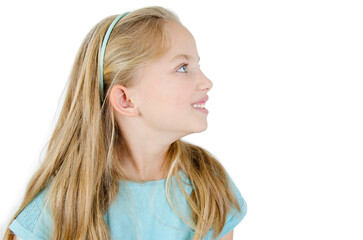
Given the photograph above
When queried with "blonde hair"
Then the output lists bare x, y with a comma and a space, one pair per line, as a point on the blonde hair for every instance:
82, 164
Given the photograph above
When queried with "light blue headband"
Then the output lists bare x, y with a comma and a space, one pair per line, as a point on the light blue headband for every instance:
103, 49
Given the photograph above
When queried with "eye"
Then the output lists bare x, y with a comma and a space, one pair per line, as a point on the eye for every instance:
183, 67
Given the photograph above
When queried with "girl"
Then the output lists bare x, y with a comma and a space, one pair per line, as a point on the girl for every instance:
115, 166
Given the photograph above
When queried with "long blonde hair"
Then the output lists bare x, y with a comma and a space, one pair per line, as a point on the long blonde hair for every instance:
82, 167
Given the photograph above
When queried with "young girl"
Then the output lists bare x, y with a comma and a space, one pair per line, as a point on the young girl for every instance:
115, 166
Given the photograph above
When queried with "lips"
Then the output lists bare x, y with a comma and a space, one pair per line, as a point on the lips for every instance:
200, 101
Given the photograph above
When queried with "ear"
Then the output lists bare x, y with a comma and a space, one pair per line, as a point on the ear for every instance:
121, 102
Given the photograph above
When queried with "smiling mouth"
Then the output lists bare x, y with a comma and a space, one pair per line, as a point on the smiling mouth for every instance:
200, 101
203, 110
201, 105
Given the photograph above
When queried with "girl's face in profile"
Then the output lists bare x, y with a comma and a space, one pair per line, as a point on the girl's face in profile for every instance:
168, 86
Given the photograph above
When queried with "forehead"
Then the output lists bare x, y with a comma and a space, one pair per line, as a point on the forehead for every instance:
182, 42
183, 56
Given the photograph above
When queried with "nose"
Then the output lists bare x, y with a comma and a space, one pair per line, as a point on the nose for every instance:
205, 82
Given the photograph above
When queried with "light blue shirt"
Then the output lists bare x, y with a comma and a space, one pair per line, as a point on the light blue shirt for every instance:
140, 211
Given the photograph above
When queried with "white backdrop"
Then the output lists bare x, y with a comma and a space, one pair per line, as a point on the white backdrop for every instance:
285, 111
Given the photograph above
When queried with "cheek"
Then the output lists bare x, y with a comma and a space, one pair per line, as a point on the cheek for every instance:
157, 100
167, 96
180, 100
177, 95
182, 93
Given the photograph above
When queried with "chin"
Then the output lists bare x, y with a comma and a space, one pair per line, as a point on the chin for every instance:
201, 129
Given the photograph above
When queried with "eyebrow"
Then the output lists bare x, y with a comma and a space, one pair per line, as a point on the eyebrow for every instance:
183, 56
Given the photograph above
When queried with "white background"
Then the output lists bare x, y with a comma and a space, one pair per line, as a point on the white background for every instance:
285, 112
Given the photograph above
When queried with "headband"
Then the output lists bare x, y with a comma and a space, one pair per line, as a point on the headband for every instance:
103, 49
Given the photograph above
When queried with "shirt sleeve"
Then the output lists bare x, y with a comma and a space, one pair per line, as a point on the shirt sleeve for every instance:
234, 217
33, 222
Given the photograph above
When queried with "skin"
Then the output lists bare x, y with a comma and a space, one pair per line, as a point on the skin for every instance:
228, 236
157, 110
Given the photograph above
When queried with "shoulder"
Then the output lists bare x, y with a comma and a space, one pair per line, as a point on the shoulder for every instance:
234, 217
33, 222
238, 194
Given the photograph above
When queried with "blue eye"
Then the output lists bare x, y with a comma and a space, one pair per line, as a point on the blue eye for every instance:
184, 66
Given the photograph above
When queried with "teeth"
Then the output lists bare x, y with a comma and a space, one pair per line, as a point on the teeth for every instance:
199, 105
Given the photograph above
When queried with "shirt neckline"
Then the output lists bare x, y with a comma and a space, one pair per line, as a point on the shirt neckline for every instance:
148, 183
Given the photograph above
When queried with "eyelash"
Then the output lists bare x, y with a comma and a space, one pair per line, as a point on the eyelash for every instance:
183, 66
